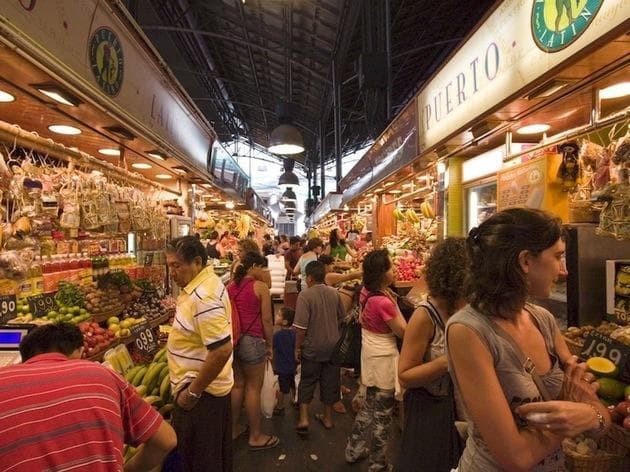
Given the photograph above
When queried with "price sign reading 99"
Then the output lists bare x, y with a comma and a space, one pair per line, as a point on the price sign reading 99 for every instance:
600, 345
8, 308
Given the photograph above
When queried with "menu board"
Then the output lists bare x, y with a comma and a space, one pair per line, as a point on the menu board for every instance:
522, 185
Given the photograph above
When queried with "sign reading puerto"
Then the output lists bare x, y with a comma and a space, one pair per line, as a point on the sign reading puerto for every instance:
107, 61
557, 23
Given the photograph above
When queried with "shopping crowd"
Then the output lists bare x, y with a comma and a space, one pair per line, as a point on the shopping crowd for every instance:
486, 380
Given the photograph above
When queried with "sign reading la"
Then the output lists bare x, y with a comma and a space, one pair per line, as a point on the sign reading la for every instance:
558, 23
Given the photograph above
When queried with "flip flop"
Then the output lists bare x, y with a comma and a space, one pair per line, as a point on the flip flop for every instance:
320, 417
245, 430
302, 430
273, 441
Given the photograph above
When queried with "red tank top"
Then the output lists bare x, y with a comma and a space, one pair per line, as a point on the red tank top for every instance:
248, 306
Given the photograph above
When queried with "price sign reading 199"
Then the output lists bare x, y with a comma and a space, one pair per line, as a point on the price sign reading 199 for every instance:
600, 345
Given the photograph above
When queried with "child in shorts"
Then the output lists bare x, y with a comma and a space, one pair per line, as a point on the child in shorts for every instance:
284, 357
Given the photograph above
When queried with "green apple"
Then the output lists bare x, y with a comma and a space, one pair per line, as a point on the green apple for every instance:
113, 320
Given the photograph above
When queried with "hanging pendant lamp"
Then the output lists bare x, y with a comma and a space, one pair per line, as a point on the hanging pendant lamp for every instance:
288, 178
285, 139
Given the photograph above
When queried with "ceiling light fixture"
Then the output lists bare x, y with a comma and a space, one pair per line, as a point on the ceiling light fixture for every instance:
141, 165
6, 97
229, 205
109, 152
64, 129
288, 196
288, 178
157, 155
533, 129
58, 94
286, 138
395, 191
549, 88
165, 177
619, 90
388, 184
120, 132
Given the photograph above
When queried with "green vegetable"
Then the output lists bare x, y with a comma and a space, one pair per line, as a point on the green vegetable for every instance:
69, 294
116, 278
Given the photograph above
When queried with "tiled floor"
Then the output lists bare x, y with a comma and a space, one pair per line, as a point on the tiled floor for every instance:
322, 450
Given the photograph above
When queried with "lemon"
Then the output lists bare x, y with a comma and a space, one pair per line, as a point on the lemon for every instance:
610, 389
602, 367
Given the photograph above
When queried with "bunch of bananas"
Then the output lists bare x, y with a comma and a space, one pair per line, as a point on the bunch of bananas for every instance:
412, 217
427, 210
153, 383
399, 215
243, 225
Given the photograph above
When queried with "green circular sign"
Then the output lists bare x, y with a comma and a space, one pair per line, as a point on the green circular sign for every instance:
557, 23
107, 61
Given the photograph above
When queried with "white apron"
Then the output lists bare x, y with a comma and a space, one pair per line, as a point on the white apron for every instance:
379, 361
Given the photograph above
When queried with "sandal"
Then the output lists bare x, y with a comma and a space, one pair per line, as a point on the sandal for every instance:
272, 441
242, 432
320, 417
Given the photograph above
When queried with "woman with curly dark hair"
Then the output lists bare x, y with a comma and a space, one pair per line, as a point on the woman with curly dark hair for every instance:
381, 323
430, 440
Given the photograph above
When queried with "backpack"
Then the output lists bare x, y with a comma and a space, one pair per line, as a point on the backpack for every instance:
212, 251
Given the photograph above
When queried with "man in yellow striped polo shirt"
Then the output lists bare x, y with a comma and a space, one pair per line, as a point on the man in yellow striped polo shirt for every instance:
200, 359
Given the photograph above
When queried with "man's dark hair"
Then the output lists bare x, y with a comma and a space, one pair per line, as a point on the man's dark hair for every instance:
64, 338
294, 240
314, 244
375, 265
187, 248
214, 235
326, 259
316, 270
288, 315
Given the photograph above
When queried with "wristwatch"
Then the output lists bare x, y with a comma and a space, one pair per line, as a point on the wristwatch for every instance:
194, 395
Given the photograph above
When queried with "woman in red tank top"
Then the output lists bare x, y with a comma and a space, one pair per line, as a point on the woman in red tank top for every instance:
253, 303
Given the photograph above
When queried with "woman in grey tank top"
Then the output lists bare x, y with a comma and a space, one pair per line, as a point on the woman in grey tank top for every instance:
492, 344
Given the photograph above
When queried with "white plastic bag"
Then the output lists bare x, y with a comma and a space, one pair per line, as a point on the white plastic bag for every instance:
298, 376
268, 393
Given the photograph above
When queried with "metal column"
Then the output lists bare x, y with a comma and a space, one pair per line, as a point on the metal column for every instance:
337, 117
388, 50
322, 158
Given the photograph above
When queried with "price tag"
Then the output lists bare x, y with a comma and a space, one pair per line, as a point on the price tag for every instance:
8, 308
148, 259
42, 304
144, 339
621, 316
600, 345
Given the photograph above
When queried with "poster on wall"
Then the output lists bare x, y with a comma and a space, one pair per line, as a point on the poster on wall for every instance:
523, 185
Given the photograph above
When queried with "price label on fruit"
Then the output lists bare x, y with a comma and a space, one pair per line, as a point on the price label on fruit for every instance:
600, 345
42, 304
144, 339
8, 308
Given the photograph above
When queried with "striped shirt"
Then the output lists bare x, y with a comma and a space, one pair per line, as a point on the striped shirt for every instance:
202, 321
62, 414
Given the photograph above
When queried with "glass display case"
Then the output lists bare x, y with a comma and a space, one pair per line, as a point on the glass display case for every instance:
481, 203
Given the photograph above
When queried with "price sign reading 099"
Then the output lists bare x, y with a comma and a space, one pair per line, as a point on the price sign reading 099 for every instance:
600, 345
145, 339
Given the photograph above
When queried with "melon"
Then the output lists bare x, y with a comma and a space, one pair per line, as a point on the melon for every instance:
602, 367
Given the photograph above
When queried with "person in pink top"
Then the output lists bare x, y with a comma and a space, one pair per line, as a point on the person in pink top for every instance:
381, 323
253, 303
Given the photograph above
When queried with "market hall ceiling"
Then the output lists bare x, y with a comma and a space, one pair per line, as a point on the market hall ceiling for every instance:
231, 57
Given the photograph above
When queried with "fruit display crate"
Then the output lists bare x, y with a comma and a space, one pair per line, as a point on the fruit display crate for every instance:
574, 347
104, 316
98, 357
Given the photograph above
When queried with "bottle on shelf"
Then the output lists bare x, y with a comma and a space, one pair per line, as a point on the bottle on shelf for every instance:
37, 276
